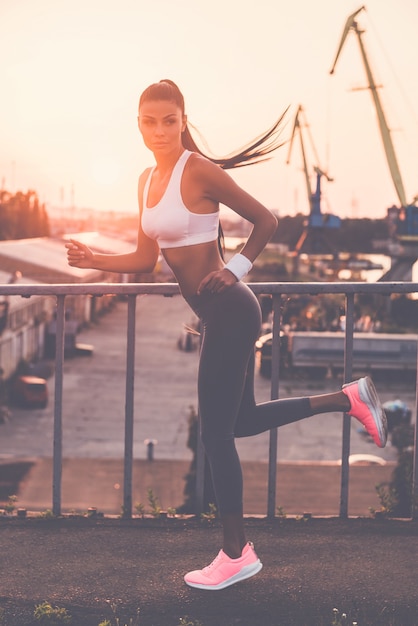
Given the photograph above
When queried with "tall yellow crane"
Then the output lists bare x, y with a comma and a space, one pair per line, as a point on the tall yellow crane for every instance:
408, 224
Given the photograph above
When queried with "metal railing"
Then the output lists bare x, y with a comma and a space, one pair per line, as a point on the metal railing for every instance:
277, 291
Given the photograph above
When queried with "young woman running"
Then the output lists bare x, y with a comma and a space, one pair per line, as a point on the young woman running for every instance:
179, 202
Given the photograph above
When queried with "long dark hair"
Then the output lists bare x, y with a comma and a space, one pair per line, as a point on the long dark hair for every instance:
256, 151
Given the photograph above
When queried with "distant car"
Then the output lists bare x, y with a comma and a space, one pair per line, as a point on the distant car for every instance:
397, 413
30, 392
189, 338
83, 349
264, 346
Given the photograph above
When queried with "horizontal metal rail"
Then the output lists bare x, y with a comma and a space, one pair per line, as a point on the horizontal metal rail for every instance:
278, 291
171, 289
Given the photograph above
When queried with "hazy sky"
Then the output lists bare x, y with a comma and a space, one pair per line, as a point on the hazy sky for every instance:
71, 73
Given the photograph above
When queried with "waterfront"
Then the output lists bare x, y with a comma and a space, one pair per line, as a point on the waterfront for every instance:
165, 392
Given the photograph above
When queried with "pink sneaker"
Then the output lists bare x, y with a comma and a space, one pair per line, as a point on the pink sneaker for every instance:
224, 571
366, 407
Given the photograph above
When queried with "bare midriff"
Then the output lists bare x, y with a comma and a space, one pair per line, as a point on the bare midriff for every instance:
190, 264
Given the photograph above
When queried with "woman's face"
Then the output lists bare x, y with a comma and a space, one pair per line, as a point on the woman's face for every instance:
161, 123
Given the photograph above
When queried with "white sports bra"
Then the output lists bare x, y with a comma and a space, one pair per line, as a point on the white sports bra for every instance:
170, 222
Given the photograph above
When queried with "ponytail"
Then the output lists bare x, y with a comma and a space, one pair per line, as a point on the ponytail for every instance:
255, 152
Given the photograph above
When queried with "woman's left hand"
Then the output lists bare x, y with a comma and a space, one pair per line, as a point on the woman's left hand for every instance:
217, 281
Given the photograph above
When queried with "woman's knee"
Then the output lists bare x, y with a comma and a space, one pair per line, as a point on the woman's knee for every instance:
215, 444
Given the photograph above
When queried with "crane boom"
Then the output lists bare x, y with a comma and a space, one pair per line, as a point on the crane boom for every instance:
351, 24
314, 197
297, 127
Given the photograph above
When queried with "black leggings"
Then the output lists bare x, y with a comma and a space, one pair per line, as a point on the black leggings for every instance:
231, 324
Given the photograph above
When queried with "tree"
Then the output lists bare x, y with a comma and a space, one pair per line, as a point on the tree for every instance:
22, 216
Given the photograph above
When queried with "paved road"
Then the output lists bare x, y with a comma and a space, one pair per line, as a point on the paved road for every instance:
365, 568
165, 390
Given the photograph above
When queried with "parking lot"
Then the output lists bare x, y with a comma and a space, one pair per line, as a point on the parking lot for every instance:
165, 394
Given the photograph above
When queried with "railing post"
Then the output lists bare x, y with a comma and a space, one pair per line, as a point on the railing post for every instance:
57, 446
129, 407
414, 507
348, 372
274, 394
200, 472
201, 461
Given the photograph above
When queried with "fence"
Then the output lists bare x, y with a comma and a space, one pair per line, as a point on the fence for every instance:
277, 291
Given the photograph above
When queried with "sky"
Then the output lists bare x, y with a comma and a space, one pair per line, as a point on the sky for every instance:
72, 71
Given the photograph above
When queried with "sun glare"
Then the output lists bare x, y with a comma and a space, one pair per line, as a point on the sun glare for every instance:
105, 170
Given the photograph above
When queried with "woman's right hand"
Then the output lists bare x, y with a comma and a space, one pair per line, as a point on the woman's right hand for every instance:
79, 255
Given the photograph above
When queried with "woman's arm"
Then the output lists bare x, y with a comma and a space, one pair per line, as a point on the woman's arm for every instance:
142, 260
221, 188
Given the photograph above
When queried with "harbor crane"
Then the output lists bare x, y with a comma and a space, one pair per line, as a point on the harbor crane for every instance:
313, 236
407, 214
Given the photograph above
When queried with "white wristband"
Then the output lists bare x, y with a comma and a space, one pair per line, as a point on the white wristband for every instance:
239, 266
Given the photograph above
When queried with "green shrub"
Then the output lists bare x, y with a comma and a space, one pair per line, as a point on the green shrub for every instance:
45, 613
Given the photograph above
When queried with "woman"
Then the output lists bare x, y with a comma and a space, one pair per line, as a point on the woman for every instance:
179, 202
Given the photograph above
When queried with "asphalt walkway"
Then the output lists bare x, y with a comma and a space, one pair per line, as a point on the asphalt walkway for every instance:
362, 567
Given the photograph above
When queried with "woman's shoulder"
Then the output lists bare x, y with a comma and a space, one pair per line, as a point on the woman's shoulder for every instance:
145, 173
143, 176
199, 165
